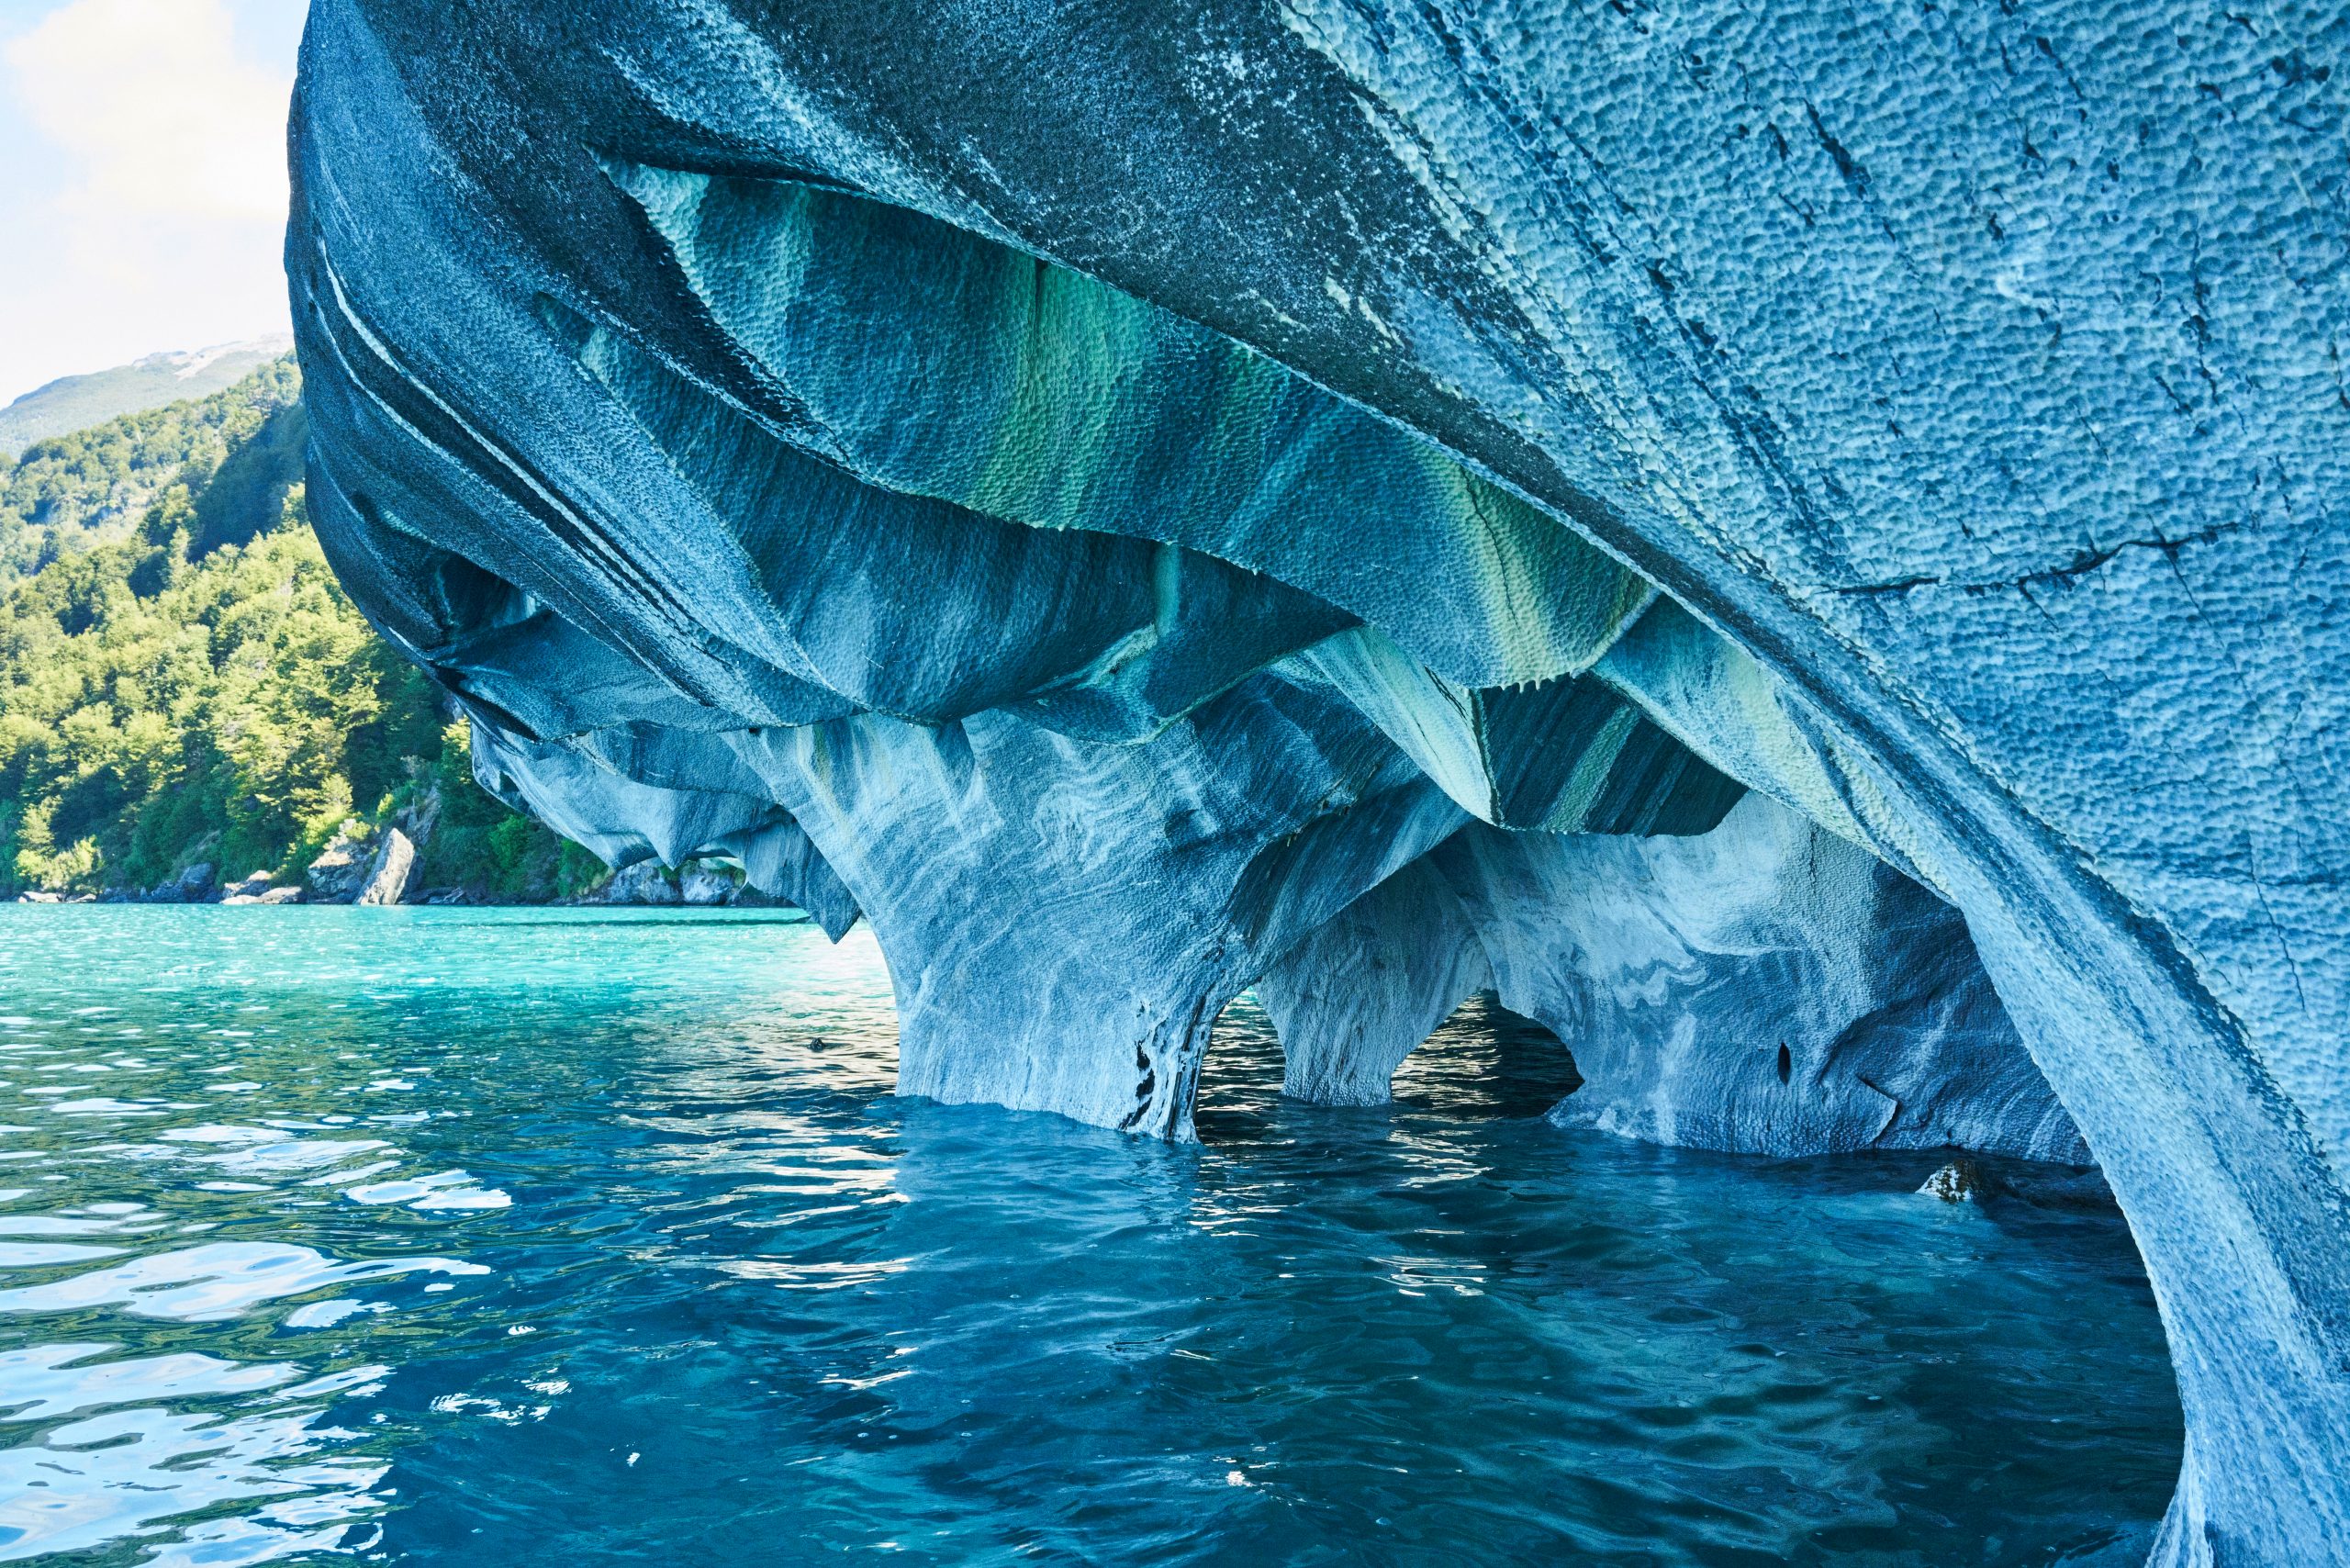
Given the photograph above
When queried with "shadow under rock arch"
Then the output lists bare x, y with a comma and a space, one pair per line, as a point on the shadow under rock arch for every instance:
1483, 1061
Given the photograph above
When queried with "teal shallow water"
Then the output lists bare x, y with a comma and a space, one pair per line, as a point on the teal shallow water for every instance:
459, 1237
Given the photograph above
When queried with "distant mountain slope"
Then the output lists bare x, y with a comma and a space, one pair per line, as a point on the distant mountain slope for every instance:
77, 402
68, 492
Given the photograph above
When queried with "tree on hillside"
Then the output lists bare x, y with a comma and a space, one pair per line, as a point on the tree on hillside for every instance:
72, 491
197, 687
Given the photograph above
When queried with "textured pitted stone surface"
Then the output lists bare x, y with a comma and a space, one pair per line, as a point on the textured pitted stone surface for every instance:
915, 449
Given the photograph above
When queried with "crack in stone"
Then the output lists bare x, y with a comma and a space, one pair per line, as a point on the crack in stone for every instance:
2083, 563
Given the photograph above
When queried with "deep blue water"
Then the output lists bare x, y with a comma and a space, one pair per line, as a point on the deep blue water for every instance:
444, 1237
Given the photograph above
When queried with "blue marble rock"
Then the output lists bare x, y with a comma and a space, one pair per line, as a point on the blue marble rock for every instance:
1764, 988
1807, 529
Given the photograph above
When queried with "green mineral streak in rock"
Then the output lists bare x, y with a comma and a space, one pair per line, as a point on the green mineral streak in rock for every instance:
938, 363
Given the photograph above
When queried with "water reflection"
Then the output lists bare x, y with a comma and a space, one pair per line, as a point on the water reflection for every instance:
205, 1284
443, 1235
117, 1473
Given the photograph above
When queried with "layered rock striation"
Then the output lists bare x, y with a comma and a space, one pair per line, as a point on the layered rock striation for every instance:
1804, 549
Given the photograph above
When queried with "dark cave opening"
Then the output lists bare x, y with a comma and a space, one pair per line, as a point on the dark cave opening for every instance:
1481, 1061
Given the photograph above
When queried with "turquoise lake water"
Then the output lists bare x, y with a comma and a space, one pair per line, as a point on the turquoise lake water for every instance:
463, 1237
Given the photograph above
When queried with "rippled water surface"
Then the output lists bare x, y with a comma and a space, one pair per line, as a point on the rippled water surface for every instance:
496, 1236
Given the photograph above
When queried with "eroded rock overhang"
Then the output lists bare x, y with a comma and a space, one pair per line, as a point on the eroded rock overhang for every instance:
1682, 519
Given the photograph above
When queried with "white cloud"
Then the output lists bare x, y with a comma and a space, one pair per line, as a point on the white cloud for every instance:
153, 212
151, 100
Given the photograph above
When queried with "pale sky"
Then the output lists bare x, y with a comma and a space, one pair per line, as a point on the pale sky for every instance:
143, 178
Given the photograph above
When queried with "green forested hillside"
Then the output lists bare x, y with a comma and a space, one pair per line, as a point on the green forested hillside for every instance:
74, 490
198, 688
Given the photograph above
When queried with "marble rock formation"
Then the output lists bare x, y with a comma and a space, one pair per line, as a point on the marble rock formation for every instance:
1765, 988
1749, 530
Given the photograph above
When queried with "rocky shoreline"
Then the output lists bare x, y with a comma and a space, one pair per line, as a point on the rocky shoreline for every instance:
695, 885
383, 865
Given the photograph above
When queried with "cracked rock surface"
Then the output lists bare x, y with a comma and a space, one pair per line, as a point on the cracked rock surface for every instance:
1805, 530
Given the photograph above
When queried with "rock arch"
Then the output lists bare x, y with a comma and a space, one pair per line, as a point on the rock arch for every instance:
1556, 421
